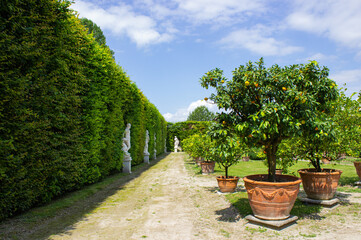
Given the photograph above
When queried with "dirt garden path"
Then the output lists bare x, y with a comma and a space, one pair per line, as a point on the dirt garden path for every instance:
168, 202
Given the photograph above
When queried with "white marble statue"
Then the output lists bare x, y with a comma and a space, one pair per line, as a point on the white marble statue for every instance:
126, 140
176, 144
146, 143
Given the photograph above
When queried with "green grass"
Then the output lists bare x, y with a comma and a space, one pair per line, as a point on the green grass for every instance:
69, 199
242, 169
55, 209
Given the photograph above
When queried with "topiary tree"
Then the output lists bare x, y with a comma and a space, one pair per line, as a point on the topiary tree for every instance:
267, 105
201, 113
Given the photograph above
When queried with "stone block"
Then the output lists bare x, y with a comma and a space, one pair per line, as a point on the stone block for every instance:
274, 224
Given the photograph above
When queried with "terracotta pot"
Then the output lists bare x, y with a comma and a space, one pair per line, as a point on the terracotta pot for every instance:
358, 169
227, 184
207, 167
320, 185
272, 200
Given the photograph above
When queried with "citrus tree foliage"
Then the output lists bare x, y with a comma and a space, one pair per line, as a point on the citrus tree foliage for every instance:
348, 121
198, 146
267, 105
201, 113
64, 103
226, 148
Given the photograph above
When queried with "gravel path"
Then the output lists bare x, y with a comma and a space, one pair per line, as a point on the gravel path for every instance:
168, 202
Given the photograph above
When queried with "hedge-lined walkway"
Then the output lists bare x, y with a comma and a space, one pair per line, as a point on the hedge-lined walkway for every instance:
165, 201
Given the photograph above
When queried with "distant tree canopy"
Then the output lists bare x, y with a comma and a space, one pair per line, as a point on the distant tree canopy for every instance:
201, 113
96, 31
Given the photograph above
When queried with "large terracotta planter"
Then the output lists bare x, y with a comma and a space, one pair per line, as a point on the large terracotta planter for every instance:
227, 184
208, 167
358, 169
320, 185
272, 200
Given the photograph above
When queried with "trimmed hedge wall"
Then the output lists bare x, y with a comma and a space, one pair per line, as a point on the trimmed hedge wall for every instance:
184, 130
64, 104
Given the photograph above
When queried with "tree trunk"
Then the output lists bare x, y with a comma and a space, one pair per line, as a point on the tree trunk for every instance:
271, 151
226, 170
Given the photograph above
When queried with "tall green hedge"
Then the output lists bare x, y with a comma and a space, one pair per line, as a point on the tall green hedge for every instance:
64, 104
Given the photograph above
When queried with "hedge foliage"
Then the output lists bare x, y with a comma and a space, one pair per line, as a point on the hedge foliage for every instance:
64, 104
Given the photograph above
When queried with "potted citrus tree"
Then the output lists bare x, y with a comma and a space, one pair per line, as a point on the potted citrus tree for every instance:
319, 183
226, 150
266, 106
205, 146
197, 146
348, 119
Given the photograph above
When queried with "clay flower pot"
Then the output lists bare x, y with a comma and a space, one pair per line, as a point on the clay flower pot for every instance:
272, 200
207, 167
320, 185
358, 169
227, 184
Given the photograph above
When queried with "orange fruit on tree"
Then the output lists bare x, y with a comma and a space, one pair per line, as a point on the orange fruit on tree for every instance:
284, 88
246, 83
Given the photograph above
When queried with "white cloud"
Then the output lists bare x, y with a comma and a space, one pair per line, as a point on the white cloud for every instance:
352, 79
347, 76
257, 40
182, 114
318, 57
122, 20
216, 11
203, 11
337, 20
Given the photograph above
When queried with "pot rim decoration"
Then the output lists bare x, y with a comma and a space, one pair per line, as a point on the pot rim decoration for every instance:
272, 200
320, 185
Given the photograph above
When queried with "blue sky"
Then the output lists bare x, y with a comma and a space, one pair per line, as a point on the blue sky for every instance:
165, 46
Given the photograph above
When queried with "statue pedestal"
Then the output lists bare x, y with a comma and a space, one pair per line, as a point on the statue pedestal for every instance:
175, 150
155, 155
146, 158
127, 164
